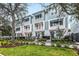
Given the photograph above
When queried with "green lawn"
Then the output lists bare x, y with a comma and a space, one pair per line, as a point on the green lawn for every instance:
33, 50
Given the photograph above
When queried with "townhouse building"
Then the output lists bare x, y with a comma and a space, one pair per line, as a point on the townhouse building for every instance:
44, 23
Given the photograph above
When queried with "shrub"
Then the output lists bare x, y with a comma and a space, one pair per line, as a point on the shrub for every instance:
62, 46
55, 45
26, 43
42, 44
66, 46
2, 44
42, 40
33, 43
58, 45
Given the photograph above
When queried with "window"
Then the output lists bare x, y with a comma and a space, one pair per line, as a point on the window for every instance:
27, 19
18, 29
27, 27
38, 16
56, 22
39, 25
52, 13
51, 23
52, 34
61, 21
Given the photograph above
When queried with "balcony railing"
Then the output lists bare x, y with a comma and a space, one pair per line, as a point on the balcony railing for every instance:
39, 29
56, 27
39, 20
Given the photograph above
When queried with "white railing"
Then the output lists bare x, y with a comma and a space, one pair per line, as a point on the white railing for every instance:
56, 27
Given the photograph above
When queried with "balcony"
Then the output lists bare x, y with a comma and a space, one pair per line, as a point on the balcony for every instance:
18, 30
39, 26
56, 27
27, 29
41, 29
55, 24
38, 20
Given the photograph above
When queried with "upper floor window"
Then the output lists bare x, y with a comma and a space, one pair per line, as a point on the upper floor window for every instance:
51, 23
61, 21
56, 22
18, 29
52, 13
27, 27
38, 16
27, 19
39, 25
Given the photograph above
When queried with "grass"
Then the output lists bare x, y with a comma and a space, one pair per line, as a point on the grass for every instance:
34, 50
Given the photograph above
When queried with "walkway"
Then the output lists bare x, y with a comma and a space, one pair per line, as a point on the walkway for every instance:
1, 55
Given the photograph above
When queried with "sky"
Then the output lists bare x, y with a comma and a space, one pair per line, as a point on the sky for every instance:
34, 7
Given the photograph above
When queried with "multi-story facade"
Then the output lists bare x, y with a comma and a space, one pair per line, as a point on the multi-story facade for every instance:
24, 27
44, 23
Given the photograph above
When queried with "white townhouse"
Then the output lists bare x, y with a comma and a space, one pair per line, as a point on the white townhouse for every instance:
38, 23
18, 28
45, 23
24, 27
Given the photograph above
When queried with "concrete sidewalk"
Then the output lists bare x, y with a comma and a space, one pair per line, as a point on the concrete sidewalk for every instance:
1, 55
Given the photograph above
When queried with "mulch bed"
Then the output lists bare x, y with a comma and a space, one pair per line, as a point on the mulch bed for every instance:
11, 46
7, 46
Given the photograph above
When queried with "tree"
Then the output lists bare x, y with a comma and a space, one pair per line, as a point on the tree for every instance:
59, 33
5, 27
12, 12
6, 31
68, 8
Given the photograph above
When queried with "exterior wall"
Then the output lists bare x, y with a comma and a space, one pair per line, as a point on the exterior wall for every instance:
38, 21
25, 32
74, 25
20, 31
47, 16
52, 15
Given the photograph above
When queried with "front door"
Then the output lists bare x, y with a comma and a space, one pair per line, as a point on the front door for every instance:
52, 34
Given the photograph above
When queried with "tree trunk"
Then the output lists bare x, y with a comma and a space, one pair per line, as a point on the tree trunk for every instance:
13, 27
